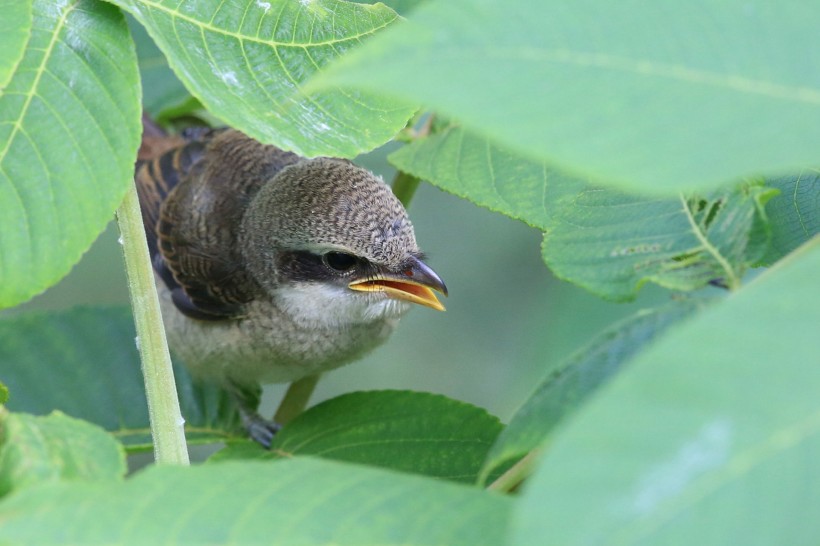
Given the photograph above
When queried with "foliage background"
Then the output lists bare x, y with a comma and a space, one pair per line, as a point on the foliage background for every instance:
708, 434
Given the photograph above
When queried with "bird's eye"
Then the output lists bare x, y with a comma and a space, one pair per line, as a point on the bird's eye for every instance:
339, 261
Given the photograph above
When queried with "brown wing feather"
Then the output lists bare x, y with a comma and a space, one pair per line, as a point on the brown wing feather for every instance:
193, 197
161, 161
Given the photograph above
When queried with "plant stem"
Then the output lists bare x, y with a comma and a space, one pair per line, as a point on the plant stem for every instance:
405, 184
296, 399
517, 473
167, 424
404, 187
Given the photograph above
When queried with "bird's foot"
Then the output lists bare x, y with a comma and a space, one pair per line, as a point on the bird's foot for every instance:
261, 430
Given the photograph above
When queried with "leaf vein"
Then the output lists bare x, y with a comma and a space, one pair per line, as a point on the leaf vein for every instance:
732, 279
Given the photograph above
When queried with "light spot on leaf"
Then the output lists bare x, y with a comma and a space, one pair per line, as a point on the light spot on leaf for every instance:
707, 450
228, 77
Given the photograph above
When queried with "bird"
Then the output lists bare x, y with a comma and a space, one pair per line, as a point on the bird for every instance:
272, 267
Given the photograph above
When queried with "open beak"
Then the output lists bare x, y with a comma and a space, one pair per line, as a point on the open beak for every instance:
415, 283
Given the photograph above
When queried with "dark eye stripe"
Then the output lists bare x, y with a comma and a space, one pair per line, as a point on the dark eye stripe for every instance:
303, 266
340, 261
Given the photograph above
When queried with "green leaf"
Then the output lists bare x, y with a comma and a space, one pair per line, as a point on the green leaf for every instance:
84, 362
69, 131
471, 167
653, 96
4, 394
15, 27
563, 391
303, 501
612, 243
55, 447
794, 214
604, 240
415, 432
247, 62
708, 437
161, 89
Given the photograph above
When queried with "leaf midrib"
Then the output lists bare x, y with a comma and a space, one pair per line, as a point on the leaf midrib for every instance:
643, 67
58, 28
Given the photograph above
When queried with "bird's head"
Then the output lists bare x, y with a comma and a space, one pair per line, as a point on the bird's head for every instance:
332, 244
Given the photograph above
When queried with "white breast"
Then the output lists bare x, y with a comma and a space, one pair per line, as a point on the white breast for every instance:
309, 329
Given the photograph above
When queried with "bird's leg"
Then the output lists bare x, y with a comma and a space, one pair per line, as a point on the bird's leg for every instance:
296, 399
261, 430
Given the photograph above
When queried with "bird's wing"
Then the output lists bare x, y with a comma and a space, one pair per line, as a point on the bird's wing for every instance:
193, 192
162, 161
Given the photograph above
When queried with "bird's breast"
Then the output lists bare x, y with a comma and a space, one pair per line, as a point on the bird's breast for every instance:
266, 345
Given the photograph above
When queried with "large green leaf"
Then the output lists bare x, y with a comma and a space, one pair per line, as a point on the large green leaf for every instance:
661, 96
69, 131
709, 437
84, 362
604, 240
15, 26
247, 62
55, 447
563, 391
305, 502
794, 214
414, 432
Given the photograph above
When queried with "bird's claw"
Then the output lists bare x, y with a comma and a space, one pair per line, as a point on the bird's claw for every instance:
262, 430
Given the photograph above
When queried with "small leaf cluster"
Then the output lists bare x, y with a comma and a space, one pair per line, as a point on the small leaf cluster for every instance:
649, 142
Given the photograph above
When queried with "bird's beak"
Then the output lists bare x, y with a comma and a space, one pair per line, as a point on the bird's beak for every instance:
414, 283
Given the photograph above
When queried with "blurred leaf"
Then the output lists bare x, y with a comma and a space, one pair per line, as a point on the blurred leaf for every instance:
603, 240
69, 131
302, 501
655, 96
402, 7
247, 61
53, 448
4, 394
84, 362
708, 437
563, 391
794, 214
161, 89
415, 432
611, 243
15, 27
471, 167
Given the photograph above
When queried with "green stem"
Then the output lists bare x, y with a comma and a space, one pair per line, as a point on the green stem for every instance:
405, 184
296, 399
517, 473
167, 424
404, 187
